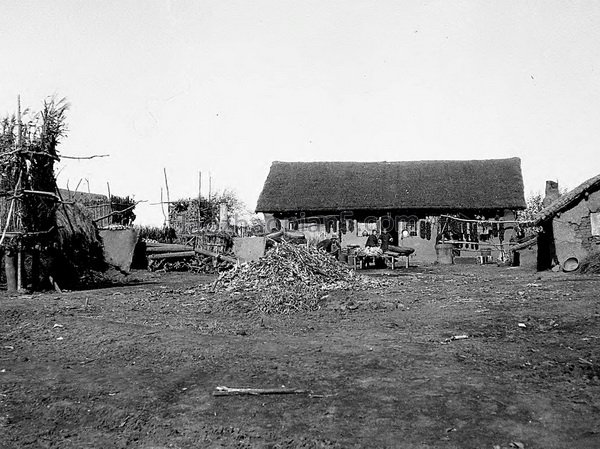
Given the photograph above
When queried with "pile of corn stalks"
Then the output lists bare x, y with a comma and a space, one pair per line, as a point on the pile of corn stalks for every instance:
291, 278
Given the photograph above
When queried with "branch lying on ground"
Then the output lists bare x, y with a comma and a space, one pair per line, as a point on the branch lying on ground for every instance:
227, 391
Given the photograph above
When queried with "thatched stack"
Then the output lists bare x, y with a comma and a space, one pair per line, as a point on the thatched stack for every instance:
79, 248
28, 199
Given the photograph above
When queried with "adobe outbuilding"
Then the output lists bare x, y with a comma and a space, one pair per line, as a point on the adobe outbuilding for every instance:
570, 227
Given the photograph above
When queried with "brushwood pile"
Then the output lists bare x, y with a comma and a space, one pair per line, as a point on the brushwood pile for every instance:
291, 278
591, 264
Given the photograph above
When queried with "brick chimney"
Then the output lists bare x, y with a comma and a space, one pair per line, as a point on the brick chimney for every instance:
552, 193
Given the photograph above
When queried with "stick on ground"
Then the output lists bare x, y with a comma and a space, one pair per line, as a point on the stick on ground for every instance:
227, 391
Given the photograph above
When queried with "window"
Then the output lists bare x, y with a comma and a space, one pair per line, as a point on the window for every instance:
410, 226
595, 222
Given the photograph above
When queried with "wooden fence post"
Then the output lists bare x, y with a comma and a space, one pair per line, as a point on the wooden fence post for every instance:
10, 268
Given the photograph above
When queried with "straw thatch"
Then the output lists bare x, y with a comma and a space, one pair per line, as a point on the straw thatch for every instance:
84, 198
97, 205
59, 239
78, 249
28, 152
417, 185
568, 199
104, 212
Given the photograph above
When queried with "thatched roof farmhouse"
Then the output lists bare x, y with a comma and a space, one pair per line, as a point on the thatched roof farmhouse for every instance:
416, 185
402, 195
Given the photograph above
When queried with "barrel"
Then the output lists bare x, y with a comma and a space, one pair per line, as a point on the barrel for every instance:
343, 256
443, 253
351, 259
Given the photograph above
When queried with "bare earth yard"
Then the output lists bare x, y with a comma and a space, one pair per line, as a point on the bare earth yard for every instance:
136, 365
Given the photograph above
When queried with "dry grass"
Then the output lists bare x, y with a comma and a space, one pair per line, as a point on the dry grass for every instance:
79, 243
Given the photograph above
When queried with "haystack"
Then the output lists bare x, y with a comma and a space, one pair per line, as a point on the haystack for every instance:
78, 251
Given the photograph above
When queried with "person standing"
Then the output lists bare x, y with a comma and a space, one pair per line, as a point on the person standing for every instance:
372, 240
384, 240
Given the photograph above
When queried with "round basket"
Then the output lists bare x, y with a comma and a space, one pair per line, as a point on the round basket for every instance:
571, 264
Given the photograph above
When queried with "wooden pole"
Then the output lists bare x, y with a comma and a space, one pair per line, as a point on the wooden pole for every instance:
20, 268
10, 268
109, 201
199, 186
168, 199
217, 256
199, 217
19, 248
35, 268
162, 206
176, 255
19, 122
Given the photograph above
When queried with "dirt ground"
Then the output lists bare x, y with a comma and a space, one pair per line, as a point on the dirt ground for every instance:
137, 365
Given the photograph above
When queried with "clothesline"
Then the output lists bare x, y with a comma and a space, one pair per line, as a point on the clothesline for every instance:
488, 221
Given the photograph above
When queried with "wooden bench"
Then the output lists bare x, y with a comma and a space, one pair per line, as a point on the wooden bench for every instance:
394, 258
360, 261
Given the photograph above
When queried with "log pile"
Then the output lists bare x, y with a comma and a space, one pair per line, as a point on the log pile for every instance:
172, 257
291, 278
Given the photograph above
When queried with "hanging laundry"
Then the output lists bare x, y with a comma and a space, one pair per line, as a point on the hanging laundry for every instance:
495, 229
422, 229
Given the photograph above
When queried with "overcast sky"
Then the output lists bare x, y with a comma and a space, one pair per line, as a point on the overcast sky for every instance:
227, 87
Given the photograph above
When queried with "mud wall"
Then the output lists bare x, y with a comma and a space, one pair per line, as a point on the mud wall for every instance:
119, 245
424, 248
573, 230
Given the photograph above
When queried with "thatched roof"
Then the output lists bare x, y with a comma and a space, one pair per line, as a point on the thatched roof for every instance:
83, 197
526, 244
437, 185
568, 199
80, 246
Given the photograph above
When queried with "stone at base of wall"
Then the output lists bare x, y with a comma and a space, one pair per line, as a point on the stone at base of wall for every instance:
466, 260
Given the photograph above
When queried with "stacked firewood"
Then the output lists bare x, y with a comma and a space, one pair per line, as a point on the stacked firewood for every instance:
291, 278
173, 257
